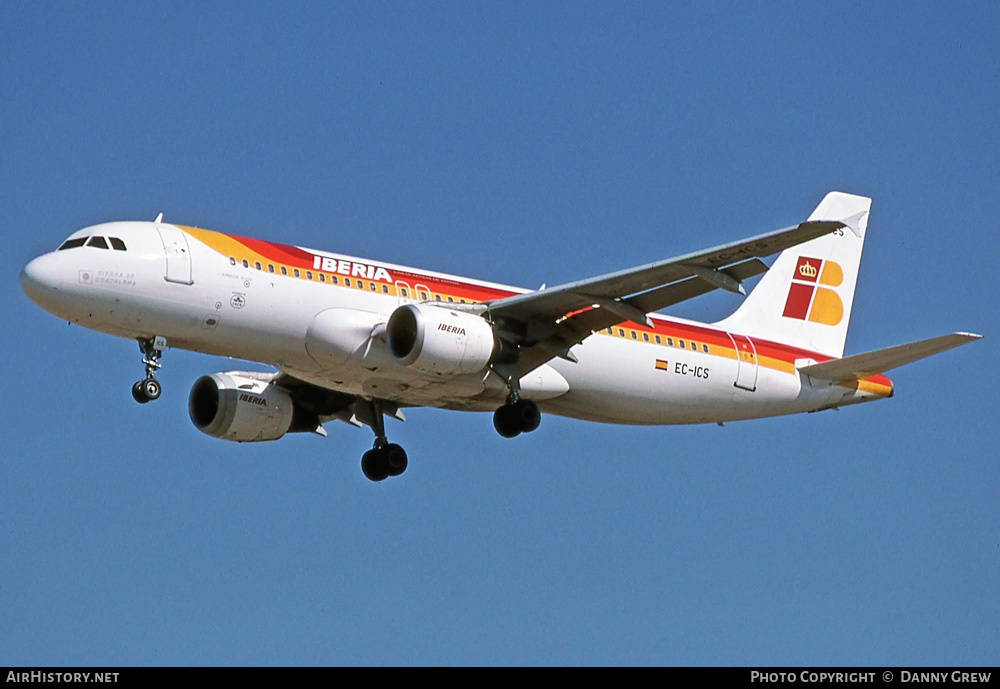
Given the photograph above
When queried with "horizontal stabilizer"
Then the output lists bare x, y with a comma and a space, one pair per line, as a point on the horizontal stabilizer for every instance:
861, 366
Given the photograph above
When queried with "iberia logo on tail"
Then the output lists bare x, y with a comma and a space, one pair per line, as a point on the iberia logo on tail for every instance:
809, 301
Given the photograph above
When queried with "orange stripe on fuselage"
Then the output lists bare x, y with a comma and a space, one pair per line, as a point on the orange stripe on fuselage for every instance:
292, 257
772, 355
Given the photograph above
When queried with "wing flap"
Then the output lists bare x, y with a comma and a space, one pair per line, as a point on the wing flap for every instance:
675, 293
861, 366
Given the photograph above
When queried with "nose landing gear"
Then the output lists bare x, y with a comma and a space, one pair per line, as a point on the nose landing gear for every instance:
148, 389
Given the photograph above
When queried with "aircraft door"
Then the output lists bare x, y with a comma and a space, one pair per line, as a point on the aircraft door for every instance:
746, 358
403, 292
175, 247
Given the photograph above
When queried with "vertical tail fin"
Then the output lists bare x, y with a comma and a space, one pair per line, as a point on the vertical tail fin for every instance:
805, 298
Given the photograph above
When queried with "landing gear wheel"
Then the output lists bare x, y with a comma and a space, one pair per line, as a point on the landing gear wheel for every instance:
138, 394
527, 414
380, 463
146, 390
151, 388
520, 417
375, 465
505, 423
395, 458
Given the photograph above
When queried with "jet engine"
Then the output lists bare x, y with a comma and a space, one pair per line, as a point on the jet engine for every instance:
234, 406
436, 339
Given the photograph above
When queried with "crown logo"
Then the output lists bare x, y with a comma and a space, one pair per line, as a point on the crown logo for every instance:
807, 300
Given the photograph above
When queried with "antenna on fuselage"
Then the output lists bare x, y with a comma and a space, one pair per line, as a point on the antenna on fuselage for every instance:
158, 218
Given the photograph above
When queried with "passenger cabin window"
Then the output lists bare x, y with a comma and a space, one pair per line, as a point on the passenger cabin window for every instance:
72, 243
694, 347
296, 272
117, 244
98, 243
284, 270
704, 348
246, 263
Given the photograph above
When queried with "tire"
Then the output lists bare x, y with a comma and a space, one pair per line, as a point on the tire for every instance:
151, 389
527, 415
395, 459
139, 393
505, 422
374, 466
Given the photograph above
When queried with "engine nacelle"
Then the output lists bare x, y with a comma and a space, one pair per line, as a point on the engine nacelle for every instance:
337, 335
236, 407
436, 339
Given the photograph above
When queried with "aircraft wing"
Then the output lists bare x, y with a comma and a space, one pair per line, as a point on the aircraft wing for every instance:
548, 322
328, 404
861, 366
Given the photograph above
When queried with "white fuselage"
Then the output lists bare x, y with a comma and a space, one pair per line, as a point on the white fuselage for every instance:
202, 293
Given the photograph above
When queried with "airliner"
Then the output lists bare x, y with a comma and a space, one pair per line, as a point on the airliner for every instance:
361, 340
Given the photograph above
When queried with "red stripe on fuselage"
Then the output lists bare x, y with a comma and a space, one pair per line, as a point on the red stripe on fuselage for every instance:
279, 253
471, 292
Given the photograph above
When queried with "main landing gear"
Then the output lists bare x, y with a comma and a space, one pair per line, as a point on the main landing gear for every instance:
518, 415
148, 389
385, 459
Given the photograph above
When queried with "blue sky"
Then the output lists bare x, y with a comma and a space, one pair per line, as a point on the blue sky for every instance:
522, 143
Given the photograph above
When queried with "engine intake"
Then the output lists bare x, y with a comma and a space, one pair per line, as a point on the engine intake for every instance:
236, 407
439, 340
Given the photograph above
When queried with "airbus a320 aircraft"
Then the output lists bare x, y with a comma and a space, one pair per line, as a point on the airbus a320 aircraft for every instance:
358, 340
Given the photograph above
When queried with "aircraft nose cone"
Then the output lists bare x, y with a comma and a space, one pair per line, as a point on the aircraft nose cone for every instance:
40, 281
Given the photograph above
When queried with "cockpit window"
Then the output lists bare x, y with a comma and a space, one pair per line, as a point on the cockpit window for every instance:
98, 242
72, 243
117, 244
